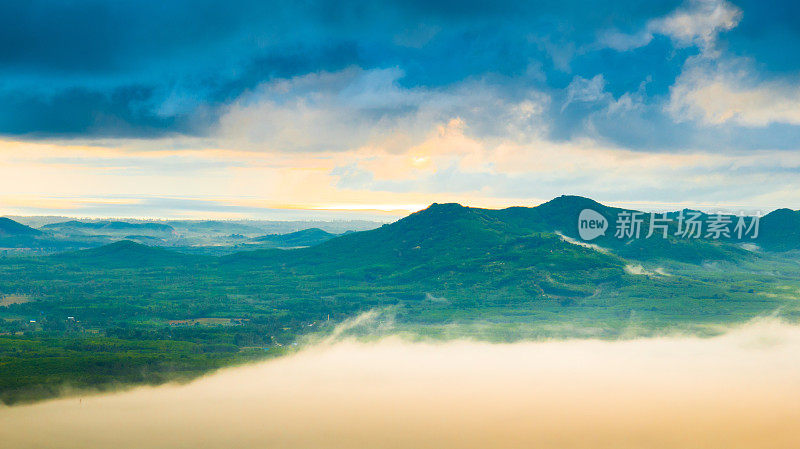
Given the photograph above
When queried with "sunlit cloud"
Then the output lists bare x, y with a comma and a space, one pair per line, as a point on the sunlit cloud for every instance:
354, 108
718, 92
735, 391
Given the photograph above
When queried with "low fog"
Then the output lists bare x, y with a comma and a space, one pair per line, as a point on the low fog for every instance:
738, 390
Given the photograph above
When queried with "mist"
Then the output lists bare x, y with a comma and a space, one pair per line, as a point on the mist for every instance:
737, 390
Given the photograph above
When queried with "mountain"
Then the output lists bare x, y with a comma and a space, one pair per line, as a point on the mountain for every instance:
306, 237
561, 214
441, 229
215, 227
112, 226
10, 228
780, 230
455, 233
557, 215
127, 254
448, 248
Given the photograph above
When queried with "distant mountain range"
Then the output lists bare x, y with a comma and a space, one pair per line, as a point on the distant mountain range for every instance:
101, 226
452, 230
211, 237
444, 226
455, 245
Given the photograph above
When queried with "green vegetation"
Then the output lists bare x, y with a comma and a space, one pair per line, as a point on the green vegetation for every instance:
127, 313
46, 364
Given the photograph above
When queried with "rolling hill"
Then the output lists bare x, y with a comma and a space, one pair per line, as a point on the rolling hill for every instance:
127, 254
455, 232
305, 237
10, 228
780, 230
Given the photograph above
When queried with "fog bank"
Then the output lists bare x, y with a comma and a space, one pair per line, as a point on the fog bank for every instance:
739, 390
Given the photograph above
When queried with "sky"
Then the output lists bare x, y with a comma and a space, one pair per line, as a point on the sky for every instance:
241, 109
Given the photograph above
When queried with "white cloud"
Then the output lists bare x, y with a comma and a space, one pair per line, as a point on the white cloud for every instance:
624, 42
698, 22
715, 89
450, 163
355, 108
717, 92
582, 90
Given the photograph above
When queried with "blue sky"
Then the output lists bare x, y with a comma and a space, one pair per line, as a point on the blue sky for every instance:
391, 105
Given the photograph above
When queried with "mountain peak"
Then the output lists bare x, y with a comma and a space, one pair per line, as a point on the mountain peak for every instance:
571, 201
783, 213
438, 213
445, 206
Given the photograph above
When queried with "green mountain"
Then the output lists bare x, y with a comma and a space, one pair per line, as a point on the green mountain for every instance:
780, 230
451, 250
10, 228
127, 254
306, 237
449, 224
454, 232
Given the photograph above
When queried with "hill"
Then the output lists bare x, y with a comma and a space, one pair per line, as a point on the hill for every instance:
455, 232
306, 237
450, 249
451, 227
10, 228
780, 230
127, 254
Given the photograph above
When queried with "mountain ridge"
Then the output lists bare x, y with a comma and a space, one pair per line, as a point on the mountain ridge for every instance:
463, 231
11, 228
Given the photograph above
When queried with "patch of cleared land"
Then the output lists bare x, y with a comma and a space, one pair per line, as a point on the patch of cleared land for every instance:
7, 300
208, 321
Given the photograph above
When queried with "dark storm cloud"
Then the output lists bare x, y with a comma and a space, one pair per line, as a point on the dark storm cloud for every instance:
109, 68
143, 69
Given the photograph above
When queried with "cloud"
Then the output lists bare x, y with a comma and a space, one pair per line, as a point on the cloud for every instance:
735, 391
392, 102
588, 91
624, 42
451, 162
96, 69
357, 108
699, 23
719, 91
